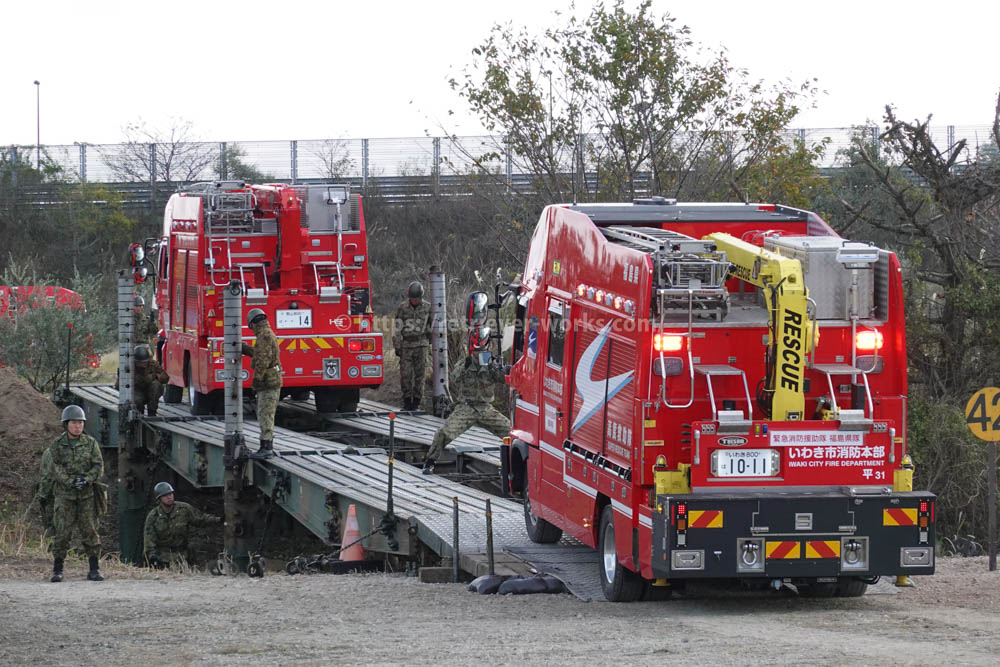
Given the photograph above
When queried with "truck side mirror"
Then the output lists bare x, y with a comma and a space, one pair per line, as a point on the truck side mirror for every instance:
476, 309
136, 254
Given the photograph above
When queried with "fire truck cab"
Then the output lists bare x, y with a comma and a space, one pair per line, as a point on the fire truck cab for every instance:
714, 391
299, 253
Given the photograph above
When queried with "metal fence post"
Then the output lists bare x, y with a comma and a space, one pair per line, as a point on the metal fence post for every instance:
294, 160
152, 176
364, 163
508, 162
223, 167
83, 161
436, 172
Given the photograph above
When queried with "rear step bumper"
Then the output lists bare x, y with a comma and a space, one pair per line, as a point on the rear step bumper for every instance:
829, 534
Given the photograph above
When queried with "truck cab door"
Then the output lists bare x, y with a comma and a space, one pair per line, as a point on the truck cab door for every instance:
554, 394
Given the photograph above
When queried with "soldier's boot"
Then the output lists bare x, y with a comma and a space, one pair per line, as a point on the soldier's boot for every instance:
428, 468
57, 570
150, 410
94, 574
266, 450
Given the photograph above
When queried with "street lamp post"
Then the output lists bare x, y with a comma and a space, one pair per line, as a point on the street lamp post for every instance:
38, 125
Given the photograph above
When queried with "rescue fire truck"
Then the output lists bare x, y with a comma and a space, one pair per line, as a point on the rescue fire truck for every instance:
299, 253
715, 391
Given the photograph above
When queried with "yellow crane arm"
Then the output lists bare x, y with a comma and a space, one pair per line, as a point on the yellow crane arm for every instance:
790, 336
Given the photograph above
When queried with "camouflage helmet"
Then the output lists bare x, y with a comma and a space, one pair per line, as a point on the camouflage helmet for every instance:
139, 302
415, 290
142, 355
73, 413
254, 316
162, 489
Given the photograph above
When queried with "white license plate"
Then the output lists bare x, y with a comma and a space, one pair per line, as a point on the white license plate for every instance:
294, 319
744, 463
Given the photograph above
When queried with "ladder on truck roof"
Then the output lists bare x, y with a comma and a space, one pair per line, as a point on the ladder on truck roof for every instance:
690, 276
226, 214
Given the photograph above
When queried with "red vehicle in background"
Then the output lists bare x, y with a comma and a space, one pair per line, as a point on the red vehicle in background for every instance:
715, 391
299, 253
16, 299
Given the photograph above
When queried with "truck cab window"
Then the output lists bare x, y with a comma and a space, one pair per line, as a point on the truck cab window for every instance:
557, 337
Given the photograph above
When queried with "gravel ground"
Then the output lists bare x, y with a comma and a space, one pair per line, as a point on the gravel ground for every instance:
137, 617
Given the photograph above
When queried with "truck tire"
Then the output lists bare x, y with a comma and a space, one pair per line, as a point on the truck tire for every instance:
349, 400
172, 394
201, 404
826, 589
539, 530
327, 399
849, 587
618, 582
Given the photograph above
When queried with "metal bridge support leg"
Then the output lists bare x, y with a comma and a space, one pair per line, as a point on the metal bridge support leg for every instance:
133, 476
439, 340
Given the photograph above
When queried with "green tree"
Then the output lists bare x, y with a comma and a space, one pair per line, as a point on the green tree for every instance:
939, 209
630, 94
37, 332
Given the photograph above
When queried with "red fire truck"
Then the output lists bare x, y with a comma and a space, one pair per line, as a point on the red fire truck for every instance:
16, 300
715, 391
300, 254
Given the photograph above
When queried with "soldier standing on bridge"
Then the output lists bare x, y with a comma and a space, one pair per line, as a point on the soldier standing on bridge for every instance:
168, 527
147, 329
266, 378
149, 380
411, 339
77, 466
472, 385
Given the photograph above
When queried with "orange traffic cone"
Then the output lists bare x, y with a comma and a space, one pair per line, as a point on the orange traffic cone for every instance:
352, 537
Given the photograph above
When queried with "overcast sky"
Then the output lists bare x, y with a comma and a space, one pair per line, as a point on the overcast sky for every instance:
241, 71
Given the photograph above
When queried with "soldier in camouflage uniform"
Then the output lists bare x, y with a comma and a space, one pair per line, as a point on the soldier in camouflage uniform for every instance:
472, 385
147, 329
76, 466
149, 380
411, 336
168, 527
266, 384
44, 494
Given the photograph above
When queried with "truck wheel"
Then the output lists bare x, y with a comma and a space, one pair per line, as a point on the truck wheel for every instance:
539, 530
201, 404
327, 399
349, 400
851, 588
618, 582
299, 394
172, 394
826, 589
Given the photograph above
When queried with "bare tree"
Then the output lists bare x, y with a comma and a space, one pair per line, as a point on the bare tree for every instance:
149, 154
336, 159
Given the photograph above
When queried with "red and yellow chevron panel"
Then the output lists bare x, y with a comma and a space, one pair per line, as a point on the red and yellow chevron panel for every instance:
823, 549
305, 344
705, 519
783, 549
901, 516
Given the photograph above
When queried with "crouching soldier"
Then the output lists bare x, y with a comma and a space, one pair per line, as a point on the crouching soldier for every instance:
149, 380
168, 529
472, 384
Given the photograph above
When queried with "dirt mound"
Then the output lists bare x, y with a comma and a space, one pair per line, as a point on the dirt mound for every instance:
29, 422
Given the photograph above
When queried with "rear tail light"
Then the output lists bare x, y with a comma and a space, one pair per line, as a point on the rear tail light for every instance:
361, 345
869, 340
668, 342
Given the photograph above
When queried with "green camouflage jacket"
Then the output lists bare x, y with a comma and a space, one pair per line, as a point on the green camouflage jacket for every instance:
147, 331
412, 325
153, 371
71, 459
474, 384
169, 531
266, 355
